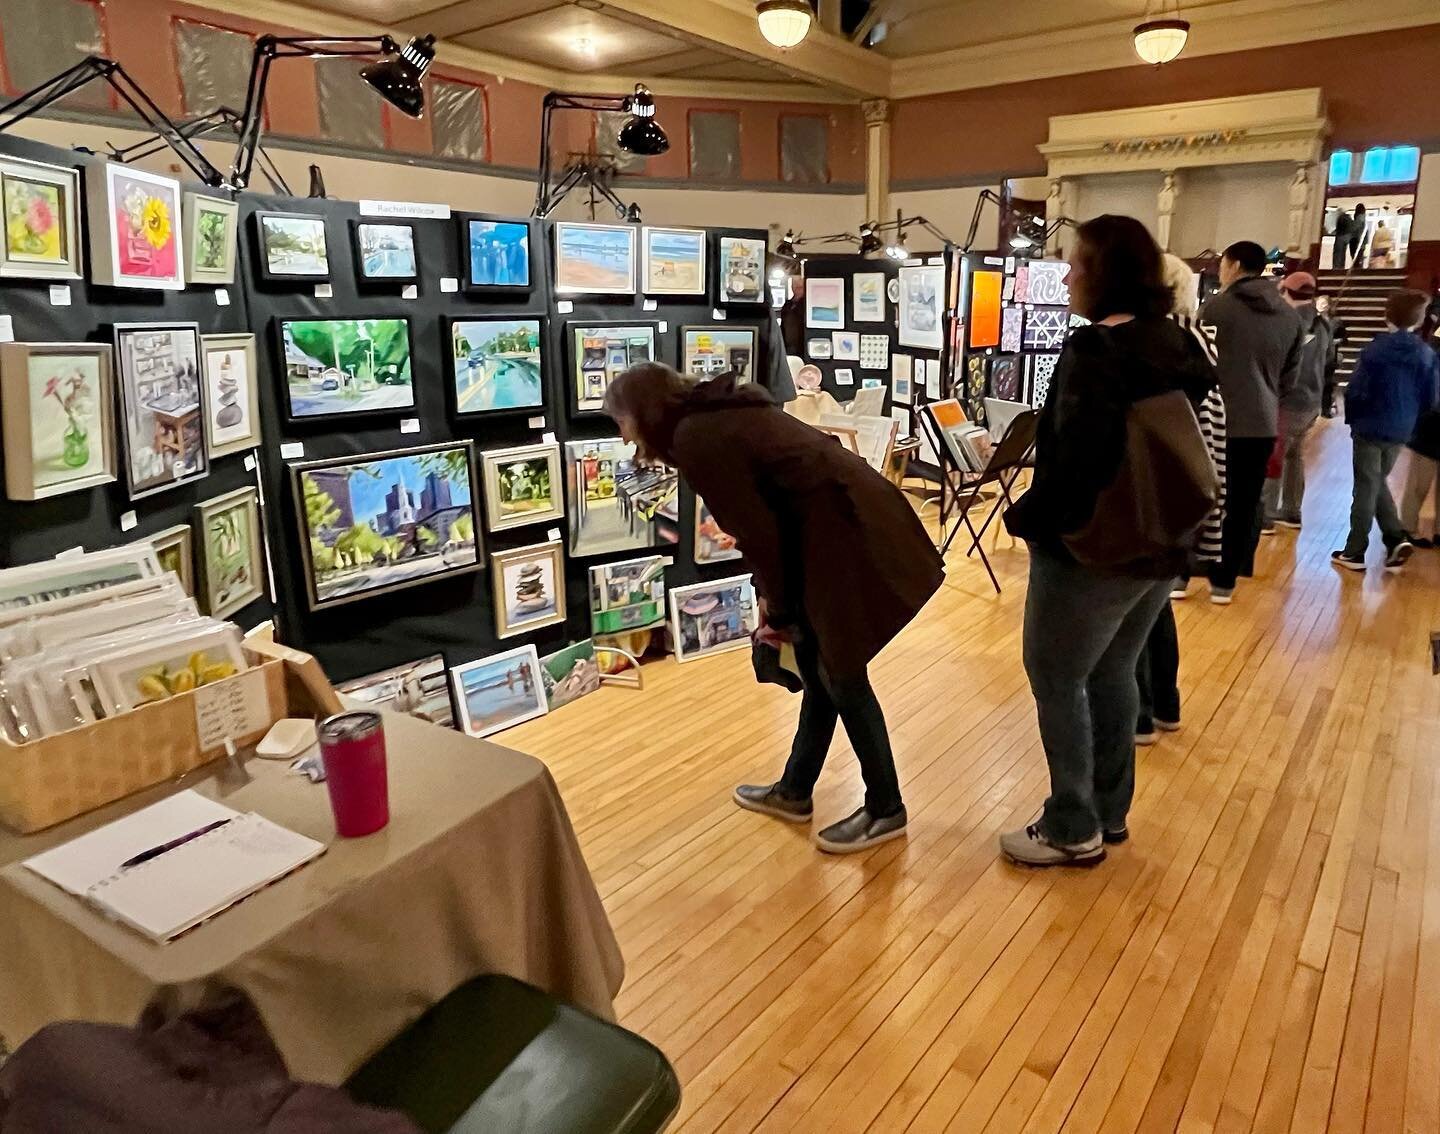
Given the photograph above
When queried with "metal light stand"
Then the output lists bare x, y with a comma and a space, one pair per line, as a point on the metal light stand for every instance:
547, 196
218, 121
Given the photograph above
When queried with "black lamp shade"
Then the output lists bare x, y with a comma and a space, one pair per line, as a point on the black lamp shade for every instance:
397, 78
643, 136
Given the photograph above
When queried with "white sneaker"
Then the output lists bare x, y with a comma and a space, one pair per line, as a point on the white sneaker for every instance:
1222, 596
1029, 847
1181, 590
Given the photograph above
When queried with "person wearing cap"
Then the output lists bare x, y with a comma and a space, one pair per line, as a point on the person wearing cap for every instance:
1300, 400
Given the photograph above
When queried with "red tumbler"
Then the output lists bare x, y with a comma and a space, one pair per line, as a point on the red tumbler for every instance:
352, 747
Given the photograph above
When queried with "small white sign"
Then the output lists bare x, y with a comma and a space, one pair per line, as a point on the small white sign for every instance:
564, 307
324, 291
59, 295
650, 305
410, 291
553, 534
70, 553
410, 425
718, 315
936, 261
996, 261
664, 326
844, 377
548, 437
449, 285
537, 422
229, 709
7, 329
222, 295
422, 210
249, 462
129, 521
292, 449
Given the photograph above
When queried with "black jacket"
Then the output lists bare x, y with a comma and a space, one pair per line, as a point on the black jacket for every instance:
1260, 343
1081, 435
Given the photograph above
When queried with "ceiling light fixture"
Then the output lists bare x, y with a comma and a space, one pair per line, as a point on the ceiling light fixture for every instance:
784, 23
1160, 41
585, 46
397, 78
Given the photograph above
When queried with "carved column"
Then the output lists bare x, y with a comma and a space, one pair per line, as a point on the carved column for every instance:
877, 158
1302, 201
1169, 193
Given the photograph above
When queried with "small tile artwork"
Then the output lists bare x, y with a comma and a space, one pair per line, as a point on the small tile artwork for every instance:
1046, 328
975, 389
1007, 293
1012, 320
1042, 370
1046, 283
1005, 377
874, 352
1022, 282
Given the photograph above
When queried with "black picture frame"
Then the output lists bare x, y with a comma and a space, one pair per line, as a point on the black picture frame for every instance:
533, 243
262, 254
448, 324
282, 370
573, 356
685, 331
363, 277
126, 402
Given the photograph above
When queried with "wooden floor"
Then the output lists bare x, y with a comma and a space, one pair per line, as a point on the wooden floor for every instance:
1263, 955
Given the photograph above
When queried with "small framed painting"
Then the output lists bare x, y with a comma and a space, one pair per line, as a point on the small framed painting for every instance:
600, 354
708, 351
711, 618
290, 247
496, 364
594, 259
628, 595
384, 253
742, 269
337, 368
522, 485
868, 297
135, 223
56, 404
570, 673
922, 297
210, 239
175, 549
529, 587
825, 304
419, 689
232, 552
673, 261
846, 346
232, 420
711, 544
163, 405
819, 348
499, 691
42, 221
496, 253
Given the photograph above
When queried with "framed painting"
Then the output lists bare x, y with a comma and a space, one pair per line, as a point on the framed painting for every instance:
673, 261
232, 552
499, 691
42, 221
711, 618
163, 405
614, 503
985, 317
175, 551
135, 228
922, 300
56, 404
232, 418
522, 485
825, 304
708, 351
628, 595
379, 522
496, 254
594, 259
384, 252
570, 673
211, 228
529, 588
335, 368
845, 346
290, 248
712, 545
76, 577
741, 270
868, 297
419, 689
496, 364
600, 354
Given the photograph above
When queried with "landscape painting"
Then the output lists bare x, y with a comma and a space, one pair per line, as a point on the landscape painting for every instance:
522, 485
499, 691
335, 367
497, 365
380, 522
498, 253
674, 261
386, 252
708, 351
232, 564
292, 246
41, 207
163, 404
628, 595
710, 618
55, 401
570, 673
596, 259
615, 503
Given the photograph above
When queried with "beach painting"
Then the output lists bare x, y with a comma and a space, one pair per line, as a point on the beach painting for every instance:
335, 367
498, 253
499, 691
496, 364
570, 673
594, 259
825, 304
674, 261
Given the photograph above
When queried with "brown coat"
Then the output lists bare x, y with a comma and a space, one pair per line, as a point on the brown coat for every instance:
833, 545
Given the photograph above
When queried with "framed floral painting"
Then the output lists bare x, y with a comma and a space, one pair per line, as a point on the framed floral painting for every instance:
135, 228
232, 553
210, 239
42, 221
232, 418
59, 432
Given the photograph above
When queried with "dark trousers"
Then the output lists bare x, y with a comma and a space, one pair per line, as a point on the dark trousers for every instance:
853, 701
1158, 673
1372, 502
1245, 461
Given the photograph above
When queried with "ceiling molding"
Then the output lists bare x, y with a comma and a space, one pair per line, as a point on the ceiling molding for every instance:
1217, 29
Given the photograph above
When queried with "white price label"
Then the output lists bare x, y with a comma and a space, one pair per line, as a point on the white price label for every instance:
410, 291
564, 307
324, 291
249, 462
410, 425
664, 326
222, 297
7, 329
129, 521
70, 553
537, 422
650, 305
59, 295
718, 315
553, 535
292, 449
449, 285
548, 437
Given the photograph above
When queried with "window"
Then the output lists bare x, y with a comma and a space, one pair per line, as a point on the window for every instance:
457, 119
607, 141
715, 145
804, 149
1379, 165
214, 66
1341, 166
349, 110
44, 37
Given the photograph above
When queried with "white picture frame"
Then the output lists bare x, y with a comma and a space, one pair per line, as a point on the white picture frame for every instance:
485, 674
727, 625
136, 228
868, 297
825, 304
922, 306
683, 260
594, 259
845, 346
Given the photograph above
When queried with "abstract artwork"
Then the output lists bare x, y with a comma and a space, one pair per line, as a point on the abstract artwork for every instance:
1045, 283
499, 691
135, 223
712, 545
673, 261
616, 504
496, 364
984, 319
210, 239
846, 346
1046, 328
345, 367
742, 269
1022, 282
42, 221
825, 304
708, 351
874, 352
570, 673
232, 556
710, 618
1012, 322
922, 295
232, 419
1041, 368
385, 253
522, 485
55, 405
869, 297
529, 585
975, 388
292, 247
902, 369
1006, 378
497, 253
162, 403
601, 354
419, 689
628, 595
382, 521
594, 259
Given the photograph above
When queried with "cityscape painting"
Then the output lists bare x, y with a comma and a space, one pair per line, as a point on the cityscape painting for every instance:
497, 252
383, 521
336, 367
497, 365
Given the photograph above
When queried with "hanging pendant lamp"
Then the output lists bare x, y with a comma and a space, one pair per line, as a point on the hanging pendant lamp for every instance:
784, 23
1160, 41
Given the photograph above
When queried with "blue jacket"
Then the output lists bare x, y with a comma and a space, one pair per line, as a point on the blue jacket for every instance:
1396, 380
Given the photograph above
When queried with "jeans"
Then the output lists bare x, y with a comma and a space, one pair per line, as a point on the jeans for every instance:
1285, 493
1083, 634
1372, 501
852, 700
1158, 674
1424, 474
1245, 461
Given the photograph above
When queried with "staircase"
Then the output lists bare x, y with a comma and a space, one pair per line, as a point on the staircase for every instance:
1358, 299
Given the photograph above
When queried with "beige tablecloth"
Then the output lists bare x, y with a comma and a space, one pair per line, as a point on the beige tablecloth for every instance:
478, 871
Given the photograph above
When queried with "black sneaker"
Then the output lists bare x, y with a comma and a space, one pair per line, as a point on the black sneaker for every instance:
1115, 835
1349, 562
768, 799
1421, 541
1399, 555
860, 832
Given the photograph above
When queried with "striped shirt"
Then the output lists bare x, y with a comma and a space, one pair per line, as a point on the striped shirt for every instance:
1212, 428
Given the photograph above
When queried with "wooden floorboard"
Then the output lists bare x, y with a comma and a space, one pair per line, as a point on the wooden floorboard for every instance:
1264, 955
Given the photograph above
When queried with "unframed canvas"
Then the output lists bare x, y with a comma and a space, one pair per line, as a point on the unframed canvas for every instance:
570, 673
711, 618
56, 404
597, 473
419, 689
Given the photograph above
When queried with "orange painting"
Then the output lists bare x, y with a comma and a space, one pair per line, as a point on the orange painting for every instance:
985, 309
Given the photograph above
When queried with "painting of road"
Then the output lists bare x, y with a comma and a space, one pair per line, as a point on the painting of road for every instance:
387, 251
345, 366
497, 364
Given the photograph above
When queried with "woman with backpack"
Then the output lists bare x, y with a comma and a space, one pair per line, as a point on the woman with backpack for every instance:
1122, 481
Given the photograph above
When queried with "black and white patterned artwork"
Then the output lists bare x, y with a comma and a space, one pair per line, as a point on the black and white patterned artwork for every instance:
1045, 283
1005, 377
874, 352
1046, 328
1012, 319
1041, 369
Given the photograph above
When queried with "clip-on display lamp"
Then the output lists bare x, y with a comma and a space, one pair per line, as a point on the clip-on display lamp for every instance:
641, 135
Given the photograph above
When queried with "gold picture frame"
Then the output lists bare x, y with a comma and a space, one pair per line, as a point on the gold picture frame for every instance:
231, 559
529, 587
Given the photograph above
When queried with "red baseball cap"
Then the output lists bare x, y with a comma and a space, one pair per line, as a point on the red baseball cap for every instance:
1301, 285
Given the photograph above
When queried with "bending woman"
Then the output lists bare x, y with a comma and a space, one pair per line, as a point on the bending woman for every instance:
840, 561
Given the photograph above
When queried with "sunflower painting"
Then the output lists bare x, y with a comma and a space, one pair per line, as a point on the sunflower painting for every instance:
143, 218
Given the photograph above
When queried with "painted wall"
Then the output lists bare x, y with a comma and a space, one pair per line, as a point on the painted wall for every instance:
949, 210
1219, 206
1427, 200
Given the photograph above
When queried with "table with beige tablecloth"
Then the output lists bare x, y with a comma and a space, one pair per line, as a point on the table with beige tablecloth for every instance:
479, 871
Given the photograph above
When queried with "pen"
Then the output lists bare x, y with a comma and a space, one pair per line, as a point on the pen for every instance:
155, 852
